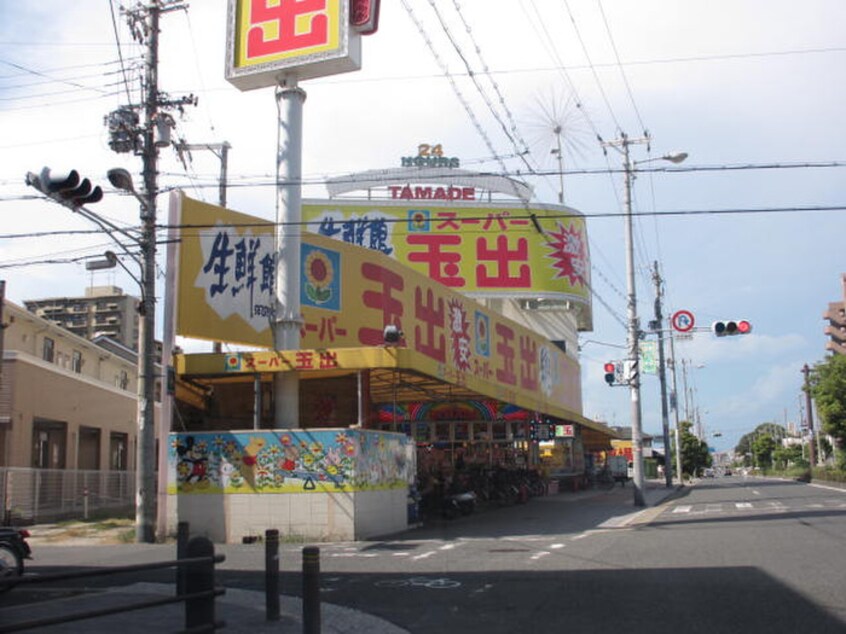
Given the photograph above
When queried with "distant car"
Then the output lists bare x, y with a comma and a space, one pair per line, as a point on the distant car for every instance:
708, 473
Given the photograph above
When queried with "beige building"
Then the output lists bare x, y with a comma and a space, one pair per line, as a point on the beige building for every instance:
65, 402
836, 328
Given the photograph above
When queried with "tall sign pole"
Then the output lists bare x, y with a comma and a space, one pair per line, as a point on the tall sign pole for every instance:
280, 44
662, 377
286, 331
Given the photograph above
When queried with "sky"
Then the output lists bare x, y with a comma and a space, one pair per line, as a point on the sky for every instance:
752, 90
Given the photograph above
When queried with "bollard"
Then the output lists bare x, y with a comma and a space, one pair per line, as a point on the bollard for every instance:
182, 534
271, 573
199, 577
311, 590
85, 504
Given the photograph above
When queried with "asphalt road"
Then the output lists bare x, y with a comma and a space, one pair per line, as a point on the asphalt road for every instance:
728, 555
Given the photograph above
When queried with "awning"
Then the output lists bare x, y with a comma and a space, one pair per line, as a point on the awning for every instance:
396, 374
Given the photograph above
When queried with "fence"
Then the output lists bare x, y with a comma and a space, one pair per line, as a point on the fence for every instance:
41, 495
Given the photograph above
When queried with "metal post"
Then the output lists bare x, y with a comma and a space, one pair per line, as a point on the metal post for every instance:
311, 590
633, 337
662, 378
182, 536
676, 411
199, 578
807, 388
271, 573
286, 332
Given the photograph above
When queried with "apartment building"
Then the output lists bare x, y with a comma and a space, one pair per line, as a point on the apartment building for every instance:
65, 401
836, 328
104, 310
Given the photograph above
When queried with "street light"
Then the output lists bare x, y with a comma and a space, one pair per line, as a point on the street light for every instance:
622, 145
145, 490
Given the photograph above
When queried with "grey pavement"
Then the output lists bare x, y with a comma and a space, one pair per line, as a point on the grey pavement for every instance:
245, 611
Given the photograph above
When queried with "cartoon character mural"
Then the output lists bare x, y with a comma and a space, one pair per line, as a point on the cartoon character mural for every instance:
295, 461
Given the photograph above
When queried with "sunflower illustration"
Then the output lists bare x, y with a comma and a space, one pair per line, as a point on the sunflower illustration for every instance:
319, 275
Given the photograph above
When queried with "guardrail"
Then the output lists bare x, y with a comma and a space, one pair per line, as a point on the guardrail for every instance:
196, 588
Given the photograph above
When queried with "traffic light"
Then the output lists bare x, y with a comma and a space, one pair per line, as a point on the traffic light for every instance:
728, 328
69, 189
610, 373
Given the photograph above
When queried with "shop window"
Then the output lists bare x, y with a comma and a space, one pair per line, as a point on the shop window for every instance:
48, 350
49, 443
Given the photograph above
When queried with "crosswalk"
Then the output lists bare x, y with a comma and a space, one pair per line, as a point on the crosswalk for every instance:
756, 506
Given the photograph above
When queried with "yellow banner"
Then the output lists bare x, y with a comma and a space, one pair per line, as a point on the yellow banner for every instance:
348, 295
478, 249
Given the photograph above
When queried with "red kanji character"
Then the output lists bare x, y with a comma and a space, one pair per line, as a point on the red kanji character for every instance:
505, 349
434, 319
528, 363
328, 360
274, 28
502, 256
443, 266
305, 360
383, 300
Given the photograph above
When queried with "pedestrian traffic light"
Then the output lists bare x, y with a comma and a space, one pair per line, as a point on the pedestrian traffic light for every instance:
731, 327
610, 372
67, 189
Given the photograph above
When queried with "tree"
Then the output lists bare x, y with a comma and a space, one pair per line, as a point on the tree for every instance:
762, 450
694, 452
784, 457
744, 445
828, 387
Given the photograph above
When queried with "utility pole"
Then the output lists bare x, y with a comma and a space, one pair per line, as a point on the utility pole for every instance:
676, 410
662, 377
807, 388
128, 134
622, 144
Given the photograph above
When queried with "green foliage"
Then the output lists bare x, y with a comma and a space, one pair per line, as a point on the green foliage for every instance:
694, 452
787, 457
744, 445
828, 387
762, 449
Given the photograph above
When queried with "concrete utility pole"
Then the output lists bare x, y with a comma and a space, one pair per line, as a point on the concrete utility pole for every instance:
807, 372
662, 377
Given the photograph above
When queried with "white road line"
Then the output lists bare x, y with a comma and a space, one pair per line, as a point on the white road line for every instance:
743, 505
447, 547
424, 555
756, 492
682, 509
713, 508
542, 553
556, 546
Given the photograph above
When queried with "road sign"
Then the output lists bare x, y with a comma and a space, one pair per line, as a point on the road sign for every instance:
682, 320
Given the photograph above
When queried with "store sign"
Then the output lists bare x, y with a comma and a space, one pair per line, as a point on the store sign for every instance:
481, 249
407, 192
565, 431
430, 156
267, 39
348, 296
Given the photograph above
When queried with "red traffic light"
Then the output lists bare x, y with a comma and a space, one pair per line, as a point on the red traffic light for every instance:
610, 367
731, 327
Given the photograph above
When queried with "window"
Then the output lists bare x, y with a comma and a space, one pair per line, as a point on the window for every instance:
76, 362
48, 350
124, 379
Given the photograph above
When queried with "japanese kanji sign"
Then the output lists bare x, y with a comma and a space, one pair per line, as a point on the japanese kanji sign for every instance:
491, 250
348, 295
303, 38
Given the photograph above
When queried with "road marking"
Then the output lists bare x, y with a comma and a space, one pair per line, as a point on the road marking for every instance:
554, 546
756, 492
713, 508
816, 506
424, 555
447, 547
743, 505
682, 509
542, 553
